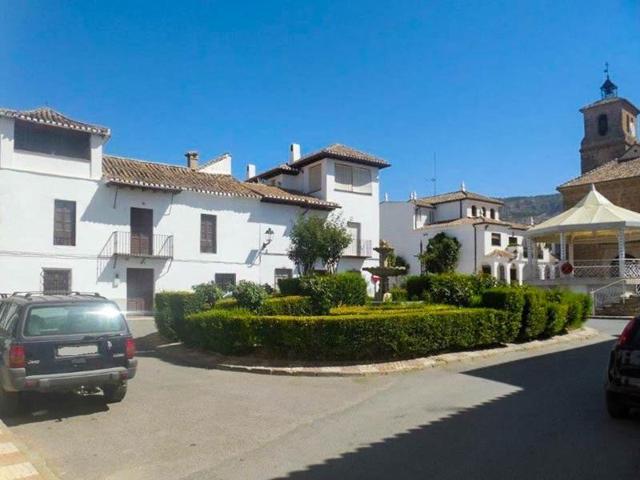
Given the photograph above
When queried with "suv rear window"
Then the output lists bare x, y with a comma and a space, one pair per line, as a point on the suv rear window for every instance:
73, 319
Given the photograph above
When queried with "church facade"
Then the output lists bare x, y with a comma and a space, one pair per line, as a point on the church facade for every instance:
610, 160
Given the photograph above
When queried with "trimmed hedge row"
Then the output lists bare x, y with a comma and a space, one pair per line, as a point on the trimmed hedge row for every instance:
385, 335
453, 288
290, 305
171, 310
541, 313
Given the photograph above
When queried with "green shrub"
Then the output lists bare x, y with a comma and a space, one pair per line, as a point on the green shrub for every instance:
556, 318
578, 304
291, 305
171, 310
386, 335
349, 288
207, 294
320, 293
399, 294
452, 288
417, 286
289, 286
505, 298
534, 314
250, 295
389, 307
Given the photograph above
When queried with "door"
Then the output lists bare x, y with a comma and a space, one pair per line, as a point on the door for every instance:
353, 249
141, 231
139, 290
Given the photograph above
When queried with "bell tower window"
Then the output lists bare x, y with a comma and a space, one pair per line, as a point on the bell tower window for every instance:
603, 125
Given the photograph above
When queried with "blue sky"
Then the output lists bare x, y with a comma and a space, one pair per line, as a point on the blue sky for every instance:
493, 87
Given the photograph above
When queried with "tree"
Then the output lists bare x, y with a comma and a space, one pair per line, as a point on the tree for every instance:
316, 238
442, 254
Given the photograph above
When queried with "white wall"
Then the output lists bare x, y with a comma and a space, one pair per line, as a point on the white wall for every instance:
396, 227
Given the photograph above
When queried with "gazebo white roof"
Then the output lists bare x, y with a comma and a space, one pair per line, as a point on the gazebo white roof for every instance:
594, 216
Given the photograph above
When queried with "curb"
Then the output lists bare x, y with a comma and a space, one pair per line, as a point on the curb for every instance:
207, 360
19, 462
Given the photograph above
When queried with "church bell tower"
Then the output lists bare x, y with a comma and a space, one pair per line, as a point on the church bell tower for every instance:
609, 127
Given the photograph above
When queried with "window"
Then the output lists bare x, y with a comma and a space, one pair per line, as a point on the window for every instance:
492, 213
56, 281
474, 211
483, 211
496, 239
52, 141
208, 232
225, 280
64, 223
525, 249
9, 317
486, 269
513, 241
603, 125
315, 178
282, 273
353, 179
73, 319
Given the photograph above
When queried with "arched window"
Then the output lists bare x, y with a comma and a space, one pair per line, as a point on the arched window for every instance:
474, 211
492, 212
603, 125
483, 211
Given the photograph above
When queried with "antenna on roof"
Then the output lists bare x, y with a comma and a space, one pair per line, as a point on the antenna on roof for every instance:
434, 179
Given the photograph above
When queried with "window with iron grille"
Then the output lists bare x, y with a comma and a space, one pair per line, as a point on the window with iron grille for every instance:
225, 280
56, 281
208, 234
282, 273
64, 223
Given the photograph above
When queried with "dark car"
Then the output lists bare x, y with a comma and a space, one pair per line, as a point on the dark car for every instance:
63, 343
623, 376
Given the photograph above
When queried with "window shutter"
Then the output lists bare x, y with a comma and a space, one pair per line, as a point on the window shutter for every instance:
344, 177
64, 223
362, 180
208, 233
315, 178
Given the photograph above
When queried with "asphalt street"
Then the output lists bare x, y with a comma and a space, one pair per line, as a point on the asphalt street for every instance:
533, 415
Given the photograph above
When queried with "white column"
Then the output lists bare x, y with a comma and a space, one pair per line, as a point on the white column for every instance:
621, 253
541, 272
520, 273
507, 273
494, 270
563, 248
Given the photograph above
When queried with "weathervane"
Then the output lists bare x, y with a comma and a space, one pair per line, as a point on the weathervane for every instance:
608, 88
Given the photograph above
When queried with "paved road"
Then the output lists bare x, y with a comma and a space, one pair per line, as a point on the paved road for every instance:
522, 416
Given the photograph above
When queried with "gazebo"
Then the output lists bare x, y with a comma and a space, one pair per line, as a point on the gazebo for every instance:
601, 232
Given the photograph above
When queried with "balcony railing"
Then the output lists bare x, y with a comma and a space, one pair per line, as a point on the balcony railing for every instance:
140, 245
358, 248
600, 269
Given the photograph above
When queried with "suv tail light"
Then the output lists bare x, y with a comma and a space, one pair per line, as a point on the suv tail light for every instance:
17, 358
130, 347
625, 336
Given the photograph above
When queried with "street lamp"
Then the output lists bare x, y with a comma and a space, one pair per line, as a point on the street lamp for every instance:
269, 237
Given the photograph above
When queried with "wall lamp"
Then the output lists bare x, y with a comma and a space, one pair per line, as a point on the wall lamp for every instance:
269, 237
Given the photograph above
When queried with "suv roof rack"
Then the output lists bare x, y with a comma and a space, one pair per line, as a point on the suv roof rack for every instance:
29, 294
4, 295
86, 294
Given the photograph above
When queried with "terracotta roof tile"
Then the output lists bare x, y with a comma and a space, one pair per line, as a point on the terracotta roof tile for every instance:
455, 196
612, 170
476, 221
342, 152
48, 116
282, 168
157, 176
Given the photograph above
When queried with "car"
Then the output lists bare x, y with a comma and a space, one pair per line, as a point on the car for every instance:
623, 375
62, 343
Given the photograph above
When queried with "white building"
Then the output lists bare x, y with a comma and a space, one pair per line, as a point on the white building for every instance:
73, 218
489, 244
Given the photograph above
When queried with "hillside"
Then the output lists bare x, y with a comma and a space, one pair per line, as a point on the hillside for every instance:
540, 207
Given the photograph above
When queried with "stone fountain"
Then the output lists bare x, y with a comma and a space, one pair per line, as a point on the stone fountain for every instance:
384, 271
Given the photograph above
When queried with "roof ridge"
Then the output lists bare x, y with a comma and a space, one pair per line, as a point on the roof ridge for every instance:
600, 167
168, 165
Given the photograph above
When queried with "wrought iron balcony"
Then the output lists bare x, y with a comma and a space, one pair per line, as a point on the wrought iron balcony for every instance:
129, 244
358, 248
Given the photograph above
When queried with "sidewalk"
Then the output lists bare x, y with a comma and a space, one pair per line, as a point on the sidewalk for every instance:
17, 462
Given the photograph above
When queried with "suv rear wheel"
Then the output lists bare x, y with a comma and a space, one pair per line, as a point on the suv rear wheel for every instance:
615, 407
9, 402
114, 393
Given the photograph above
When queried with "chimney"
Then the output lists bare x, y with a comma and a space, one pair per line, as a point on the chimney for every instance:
294, 152
192, 159
251, 171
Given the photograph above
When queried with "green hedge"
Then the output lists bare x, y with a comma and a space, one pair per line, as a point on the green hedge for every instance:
453, 288
291, 305
386, 335
171, 310
534, 314
505, 298
556, 318
289, 286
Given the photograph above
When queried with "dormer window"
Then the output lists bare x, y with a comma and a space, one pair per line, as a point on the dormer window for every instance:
483, 211
32, 137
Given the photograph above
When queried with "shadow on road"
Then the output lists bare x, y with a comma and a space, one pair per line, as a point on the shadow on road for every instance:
38, 407
556, 427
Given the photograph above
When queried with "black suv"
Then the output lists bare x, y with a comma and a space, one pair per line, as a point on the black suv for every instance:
63, 343
623, 376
